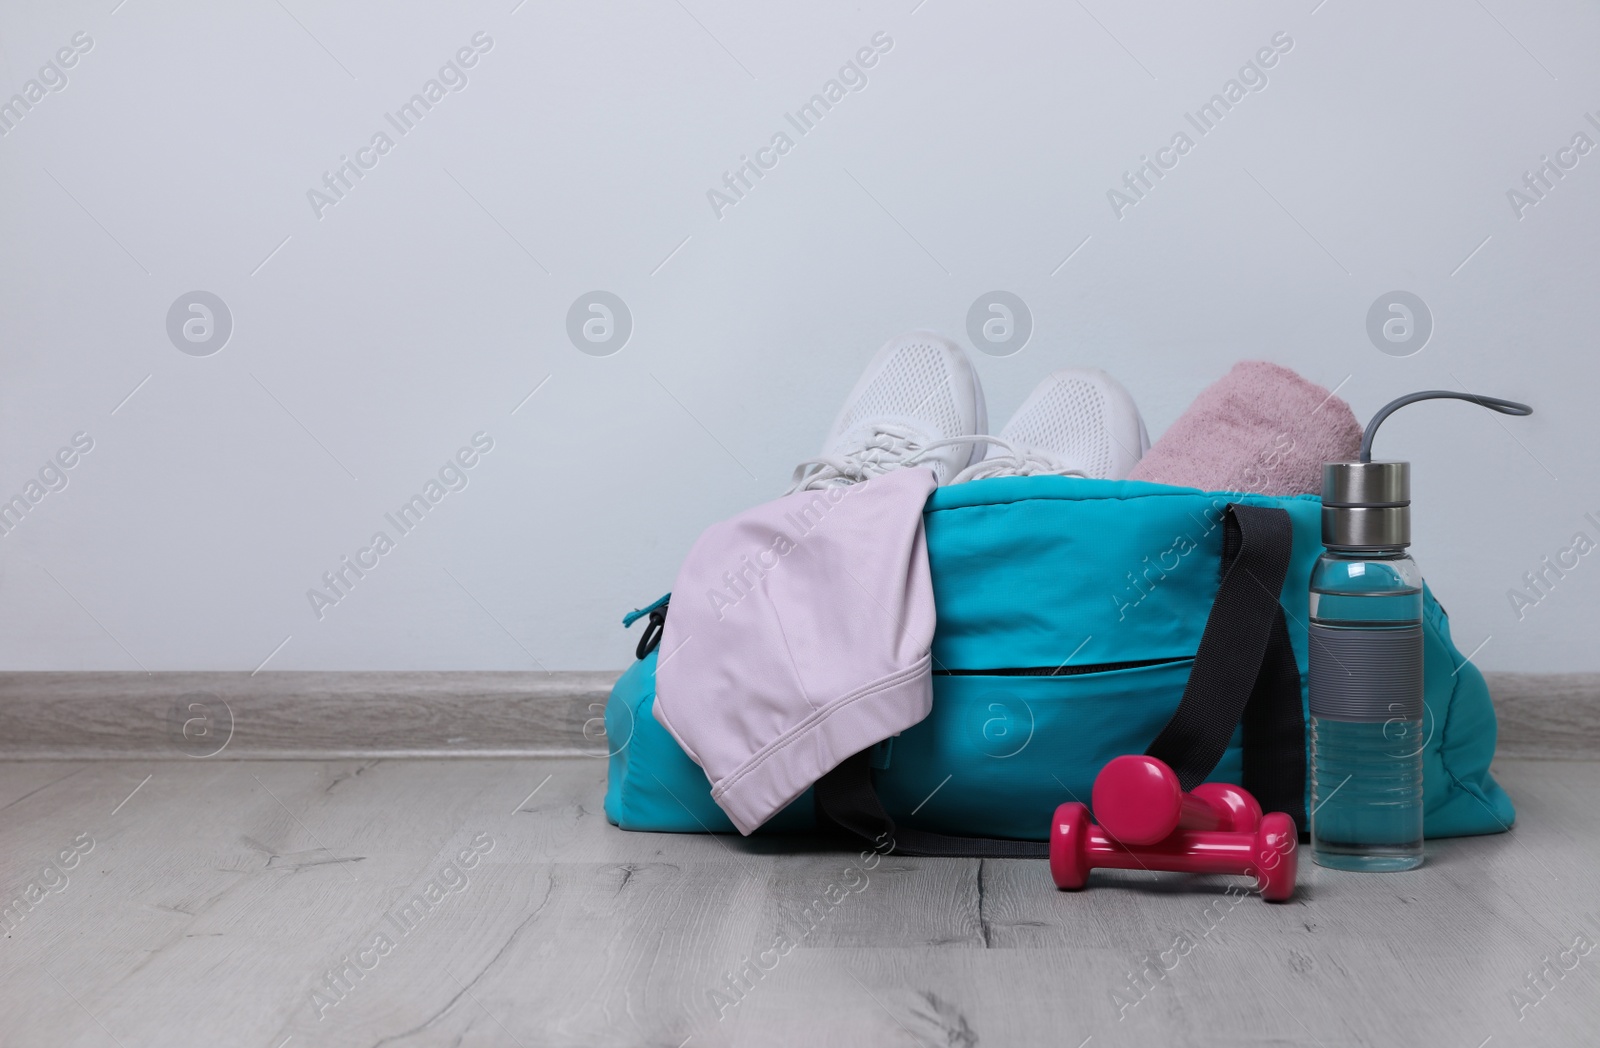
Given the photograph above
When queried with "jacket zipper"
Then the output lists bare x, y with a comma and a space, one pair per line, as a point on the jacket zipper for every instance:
1063, 670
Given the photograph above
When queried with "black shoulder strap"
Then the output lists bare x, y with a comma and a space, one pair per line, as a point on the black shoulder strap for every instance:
1244, 668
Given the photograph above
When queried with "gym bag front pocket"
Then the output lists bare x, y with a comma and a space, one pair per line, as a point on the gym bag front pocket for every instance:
1004, 747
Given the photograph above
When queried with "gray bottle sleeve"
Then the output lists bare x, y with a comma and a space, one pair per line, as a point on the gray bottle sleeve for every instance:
1371, 675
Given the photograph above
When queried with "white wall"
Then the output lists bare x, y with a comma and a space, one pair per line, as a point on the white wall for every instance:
371, 342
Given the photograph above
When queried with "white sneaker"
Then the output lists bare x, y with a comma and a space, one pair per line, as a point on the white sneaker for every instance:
1078, 422
919, 403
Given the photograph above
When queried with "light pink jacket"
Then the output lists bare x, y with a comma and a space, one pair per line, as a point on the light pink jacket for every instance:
798, 635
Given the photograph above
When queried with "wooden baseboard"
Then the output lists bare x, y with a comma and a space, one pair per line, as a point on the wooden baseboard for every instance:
298, 715
52, 716
1550, 716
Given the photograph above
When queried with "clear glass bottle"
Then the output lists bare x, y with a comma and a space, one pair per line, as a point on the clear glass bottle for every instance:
1366, 674
1367, 713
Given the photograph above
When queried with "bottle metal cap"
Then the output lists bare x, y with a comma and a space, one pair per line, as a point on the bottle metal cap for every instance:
1366, 505
1366, 484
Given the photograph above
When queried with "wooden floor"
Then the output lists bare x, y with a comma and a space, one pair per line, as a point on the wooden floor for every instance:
205, 902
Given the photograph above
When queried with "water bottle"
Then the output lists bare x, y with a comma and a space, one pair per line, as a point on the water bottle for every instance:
1367, 711
1366, 673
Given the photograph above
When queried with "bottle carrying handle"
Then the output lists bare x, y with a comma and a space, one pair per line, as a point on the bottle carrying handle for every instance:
1505, 407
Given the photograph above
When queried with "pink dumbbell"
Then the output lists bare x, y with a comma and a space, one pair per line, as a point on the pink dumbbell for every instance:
1269, 853
1138, 801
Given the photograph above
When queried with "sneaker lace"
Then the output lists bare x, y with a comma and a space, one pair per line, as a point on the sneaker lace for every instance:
887, 446
1015, 460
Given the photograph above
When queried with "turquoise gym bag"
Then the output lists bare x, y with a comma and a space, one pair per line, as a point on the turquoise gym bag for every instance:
1072, 614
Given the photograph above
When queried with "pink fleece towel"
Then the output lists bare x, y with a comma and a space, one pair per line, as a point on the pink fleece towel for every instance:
1259, 429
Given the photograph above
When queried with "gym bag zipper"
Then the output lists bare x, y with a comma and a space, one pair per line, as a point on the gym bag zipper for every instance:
1063, 670
658, 617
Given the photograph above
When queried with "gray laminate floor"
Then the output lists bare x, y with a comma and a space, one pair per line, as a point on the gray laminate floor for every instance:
205, 902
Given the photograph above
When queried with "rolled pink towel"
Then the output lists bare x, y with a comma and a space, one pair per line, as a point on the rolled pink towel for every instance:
1260, 429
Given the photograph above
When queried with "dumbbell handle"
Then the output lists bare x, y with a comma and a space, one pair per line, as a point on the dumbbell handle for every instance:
1196, 814
1138, 800
1186, 851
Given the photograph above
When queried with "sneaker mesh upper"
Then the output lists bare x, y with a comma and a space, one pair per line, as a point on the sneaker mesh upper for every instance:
915, 384
1070, 419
